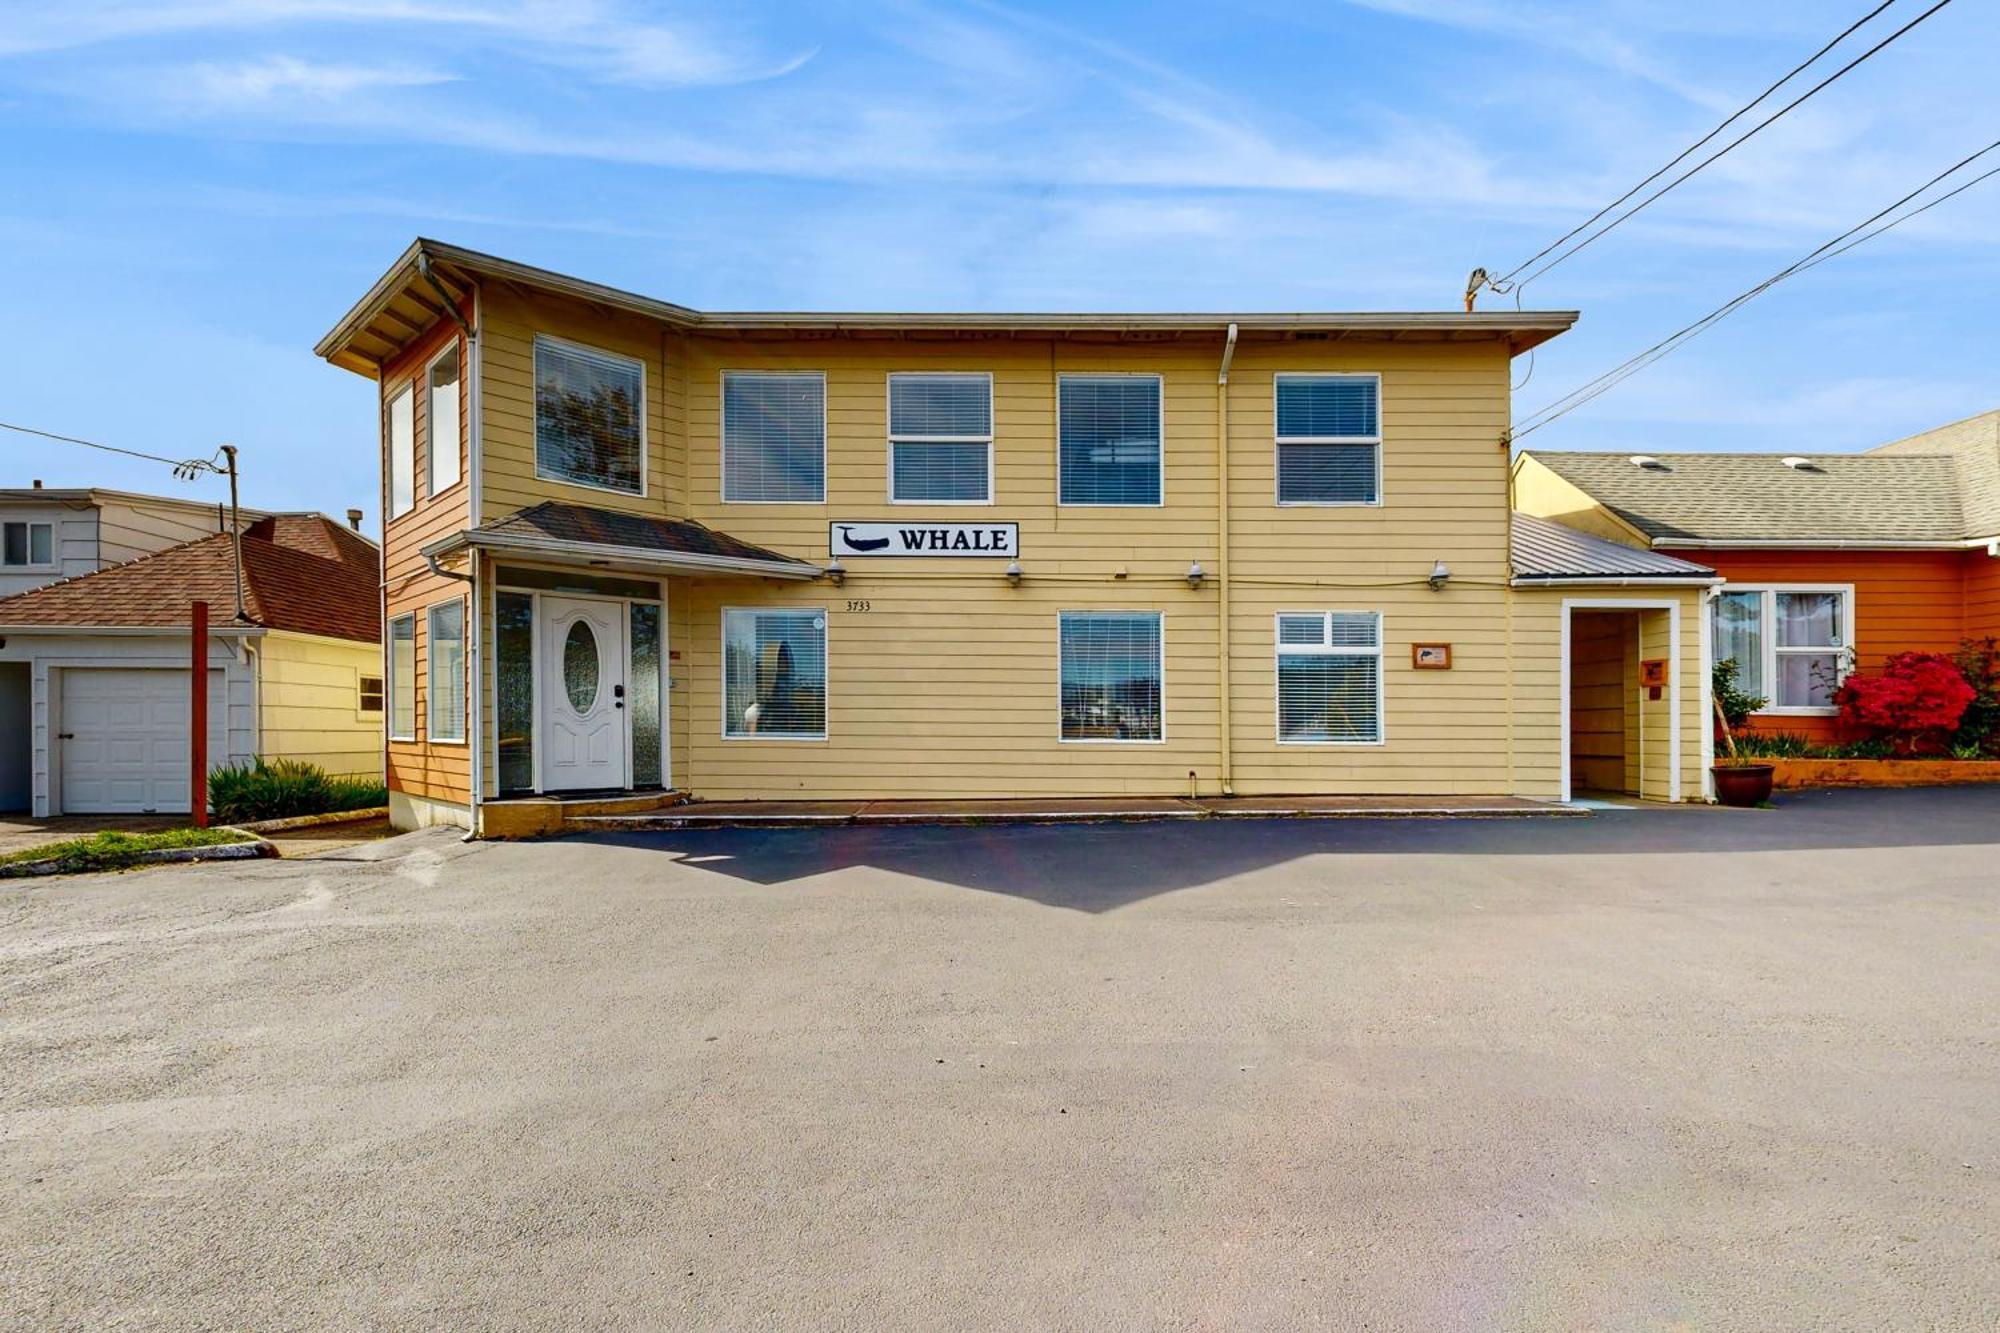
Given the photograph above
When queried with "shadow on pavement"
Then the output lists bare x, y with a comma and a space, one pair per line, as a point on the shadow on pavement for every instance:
1099, 867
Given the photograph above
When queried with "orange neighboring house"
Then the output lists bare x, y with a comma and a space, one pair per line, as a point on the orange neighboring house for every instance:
1832, 562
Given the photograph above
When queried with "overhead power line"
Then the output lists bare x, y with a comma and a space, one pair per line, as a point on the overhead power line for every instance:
185, 468
1510, 282
1865, 230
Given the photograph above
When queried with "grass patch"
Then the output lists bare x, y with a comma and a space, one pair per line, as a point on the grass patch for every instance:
112, 850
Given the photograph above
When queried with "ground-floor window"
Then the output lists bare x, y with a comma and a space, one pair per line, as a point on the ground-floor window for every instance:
774, 674
1790, 645
447, 671
403, 678
1330, 677
1112, 669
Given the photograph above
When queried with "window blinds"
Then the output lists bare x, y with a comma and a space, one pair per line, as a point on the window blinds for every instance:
773, 437
1330, 677
1109, 450
940, 437
587, 416
1111, 672
1329, 439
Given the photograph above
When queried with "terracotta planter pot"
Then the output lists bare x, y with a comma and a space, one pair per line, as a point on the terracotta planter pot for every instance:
1742, 784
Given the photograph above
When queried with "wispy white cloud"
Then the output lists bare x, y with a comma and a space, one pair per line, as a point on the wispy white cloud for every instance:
254, 83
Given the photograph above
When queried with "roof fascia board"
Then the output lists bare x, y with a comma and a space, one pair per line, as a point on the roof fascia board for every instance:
136, 631
1617, 581
1813, 544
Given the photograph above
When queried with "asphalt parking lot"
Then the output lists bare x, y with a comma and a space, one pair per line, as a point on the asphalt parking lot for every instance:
1646, 1070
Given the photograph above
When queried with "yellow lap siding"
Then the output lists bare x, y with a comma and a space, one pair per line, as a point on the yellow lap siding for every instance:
310, 706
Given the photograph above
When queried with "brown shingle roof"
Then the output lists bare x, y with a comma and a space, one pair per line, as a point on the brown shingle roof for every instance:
554, 520
1755, 497
301, 572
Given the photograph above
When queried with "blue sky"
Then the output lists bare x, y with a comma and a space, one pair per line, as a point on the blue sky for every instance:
196, 189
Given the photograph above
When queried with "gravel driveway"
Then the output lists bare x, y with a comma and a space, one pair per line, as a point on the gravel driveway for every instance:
1647, 1070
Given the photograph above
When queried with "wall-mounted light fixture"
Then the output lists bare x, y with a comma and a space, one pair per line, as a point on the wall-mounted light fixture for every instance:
1440, 571
837, 572
1195, 575
1013, 573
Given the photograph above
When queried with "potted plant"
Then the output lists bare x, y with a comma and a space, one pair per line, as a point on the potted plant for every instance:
1739, 780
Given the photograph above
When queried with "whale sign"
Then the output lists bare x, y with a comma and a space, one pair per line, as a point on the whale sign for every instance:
924, 539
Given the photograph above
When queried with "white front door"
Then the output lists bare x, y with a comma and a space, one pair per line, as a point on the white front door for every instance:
583, 694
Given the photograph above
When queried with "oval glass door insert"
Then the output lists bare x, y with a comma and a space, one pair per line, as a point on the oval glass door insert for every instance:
580, 667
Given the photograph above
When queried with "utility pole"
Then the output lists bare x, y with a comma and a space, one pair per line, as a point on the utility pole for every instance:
235, 532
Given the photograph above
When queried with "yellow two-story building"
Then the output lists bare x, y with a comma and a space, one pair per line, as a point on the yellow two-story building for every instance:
633, 547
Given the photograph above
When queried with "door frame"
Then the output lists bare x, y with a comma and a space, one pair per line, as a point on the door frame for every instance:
1673, 609
536, 738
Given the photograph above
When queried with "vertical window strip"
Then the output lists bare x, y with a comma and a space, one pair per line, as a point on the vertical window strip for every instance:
403, 450
647, 758
773, 437
1329, 438
403, 678
774, 674
441, 422
1330, 677
514, 688
446, 715
940, 437
1112, 673
589, 416
1108, 440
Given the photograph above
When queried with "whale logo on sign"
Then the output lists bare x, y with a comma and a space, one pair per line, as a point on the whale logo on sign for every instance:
854, 543
925, 539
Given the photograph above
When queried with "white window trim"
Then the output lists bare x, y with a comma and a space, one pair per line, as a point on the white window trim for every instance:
1768, 635
389, 678
431, 489
826, 681
722, 432
534, 431
889, 407
361, 693
408, 390
1279, 441
1161, 616
1160, 503
431, 732
1325, 649
55, 556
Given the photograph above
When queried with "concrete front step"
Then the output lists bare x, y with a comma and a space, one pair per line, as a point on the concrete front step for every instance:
537, 816
823, 814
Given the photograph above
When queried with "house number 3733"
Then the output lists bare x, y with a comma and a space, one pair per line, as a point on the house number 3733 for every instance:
858, 606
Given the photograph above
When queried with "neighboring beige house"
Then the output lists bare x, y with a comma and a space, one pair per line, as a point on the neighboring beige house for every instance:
48, 533
95, 715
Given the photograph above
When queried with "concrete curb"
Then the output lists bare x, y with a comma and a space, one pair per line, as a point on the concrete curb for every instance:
313, 821
692, 818
255, 849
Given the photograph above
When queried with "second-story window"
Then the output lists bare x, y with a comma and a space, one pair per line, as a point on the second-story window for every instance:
403, 450
1108, 448
29, 544
589, 417
1329, 439
441, 430
941, 438
774, 437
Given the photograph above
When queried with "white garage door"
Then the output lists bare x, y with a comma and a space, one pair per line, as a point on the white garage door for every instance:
125, 739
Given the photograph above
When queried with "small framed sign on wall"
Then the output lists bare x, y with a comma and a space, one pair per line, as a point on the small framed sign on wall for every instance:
1430, 656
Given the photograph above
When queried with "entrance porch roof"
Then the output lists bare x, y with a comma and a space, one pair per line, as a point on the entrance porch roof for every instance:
575, 534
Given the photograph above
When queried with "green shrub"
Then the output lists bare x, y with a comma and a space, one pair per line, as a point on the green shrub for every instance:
1736, 705
1775, 745
282, 788
1978, 734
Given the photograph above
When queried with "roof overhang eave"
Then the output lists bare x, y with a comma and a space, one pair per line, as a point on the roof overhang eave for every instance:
597, 553
223, 630
1616, 581
1813, 544
1521, 329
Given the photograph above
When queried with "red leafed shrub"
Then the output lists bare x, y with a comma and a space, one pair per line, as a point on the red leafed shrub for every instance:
1915, 703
